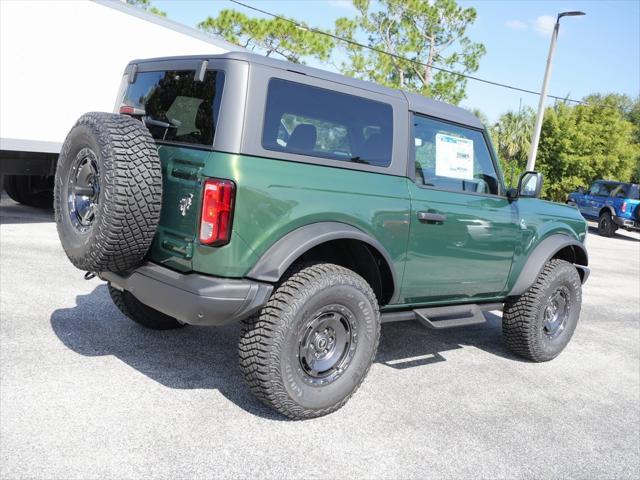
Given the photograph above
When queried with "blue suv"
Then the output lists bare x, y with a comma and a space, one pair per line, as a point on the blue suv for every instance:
613, 204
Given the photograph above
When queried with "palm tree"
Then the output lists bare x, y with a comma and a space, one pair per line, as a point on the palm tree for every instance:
512, 136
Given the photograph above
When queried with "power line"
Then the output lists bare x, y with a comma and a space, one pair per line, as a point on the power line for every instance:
400, 57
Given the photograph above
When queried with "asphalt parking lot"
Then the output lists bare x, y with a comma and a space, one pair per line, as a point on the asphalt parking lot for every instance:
86, 393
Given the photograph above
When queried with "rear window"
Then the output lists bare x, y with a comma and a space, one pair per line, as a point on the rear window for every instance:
318, 122
178, 108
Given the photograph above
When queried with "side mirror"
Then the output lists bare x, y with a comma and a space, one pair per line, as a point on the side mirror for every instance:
581, 190
530, 185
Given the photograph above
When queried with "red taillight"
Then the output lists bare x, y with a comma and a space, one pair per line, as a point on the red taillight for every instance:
217, 212
624, 207
128, 110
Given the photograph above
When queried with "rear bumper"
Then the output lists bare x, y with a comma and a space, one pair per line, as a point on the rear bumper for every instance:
192, 298
627, 223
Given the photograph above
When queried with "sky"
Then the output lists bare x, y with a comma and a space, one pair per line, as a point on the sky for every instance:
599, 52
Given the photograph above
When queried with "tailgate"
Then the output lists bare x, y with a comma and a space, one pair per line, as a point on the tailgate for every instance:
173, 244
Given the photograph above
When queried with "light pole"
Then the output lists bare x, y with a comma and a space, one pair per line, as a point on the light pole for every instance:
531, 161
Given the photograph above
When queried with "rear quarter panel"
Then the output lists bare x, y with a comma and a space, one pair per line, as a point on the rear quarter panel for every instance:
274, 197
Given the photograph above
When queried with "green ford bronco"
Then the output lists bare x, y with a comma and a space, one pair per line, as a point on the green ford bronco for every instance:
311, 207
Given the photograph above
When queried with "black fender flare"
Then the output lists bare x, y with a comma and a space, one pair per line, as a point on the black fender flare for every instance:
607, 207
544, 252
281, 255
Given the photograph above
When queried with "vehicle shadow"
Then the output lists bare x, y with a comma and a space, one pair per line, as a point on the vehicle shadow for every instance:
593, 230
410, 344
206, 358
12, 212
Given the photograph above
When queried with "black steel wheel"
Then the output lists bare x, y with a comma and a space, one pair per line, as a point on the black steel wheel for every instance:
538, 324
310, 347
556, 312
327, 343
606, 225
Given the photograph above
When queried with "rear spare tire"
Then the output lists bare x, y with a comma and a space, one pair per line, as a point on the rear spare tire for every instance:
108, 192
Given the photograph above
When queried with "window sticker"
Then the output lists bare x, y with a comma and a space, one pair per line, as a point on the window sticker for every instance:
454, 157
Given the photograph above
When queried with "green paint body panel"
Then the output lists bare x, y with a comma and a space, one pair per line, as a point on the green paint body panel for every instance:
475, 255
466, 257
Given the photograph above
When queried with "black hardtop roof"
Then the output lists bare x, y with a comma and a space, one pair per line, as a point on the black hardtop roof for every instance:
416, 102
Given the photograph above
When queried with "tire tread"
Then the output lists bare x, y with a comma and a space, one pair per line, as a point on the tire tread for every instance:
263, 334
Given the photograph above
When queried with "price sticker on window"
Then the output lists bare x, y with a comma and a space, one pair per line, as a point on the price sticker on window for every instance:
454, 157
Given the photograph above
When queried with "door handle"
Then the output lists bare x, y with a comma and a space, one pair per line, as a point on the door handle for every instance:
429, 217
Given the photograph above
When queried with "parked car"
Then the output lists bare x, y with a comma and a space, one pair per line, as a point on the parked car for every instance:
311, 207
613, 204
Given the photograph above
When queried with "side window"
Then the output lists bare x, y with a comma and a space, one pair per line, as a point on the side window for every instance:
620, 191
595, 189
318, 122
604, 190
452, 157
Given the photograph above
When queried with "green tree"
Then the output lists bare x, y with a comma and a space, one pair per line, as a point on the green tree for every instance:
511, 136
146, 5
481, 115
269, 36
432, 33
585, 142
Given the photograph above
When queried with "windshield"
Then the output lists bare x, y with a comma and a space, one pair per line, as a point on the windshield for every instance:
175, 106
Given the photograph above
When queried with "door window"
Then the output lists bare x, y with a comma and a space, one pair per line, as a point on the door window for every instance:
602, 189
452, 157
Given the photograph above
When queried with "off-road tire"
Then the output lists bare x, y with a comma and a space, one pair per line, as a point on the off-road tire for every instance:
269, 340
606, 225
19, 189
523, 326
128, 200
13, 187
140, 313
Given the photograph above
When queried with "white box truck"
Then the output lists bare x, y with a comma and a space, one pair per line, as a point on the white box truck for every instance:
62, 58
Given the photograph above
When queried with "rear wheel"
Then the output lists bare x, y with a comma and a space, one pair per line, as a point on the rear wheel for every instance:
142, 314
606, 225
538, 324
310, 347
30, 190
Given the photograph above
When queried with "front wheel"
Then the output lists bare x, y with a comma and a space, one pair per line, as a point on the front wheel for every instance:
310, 347
606, 225
538, 324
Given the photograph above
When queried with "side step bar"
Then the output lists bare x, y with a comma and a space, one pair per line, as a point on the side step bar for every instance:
450, 317
444, 317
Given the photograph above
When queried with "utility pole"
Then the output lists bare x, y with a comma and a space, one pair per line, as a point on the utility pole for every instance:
531, 161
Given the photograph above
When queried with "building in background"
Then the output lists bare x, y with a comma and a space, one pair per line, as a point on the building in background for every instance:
60, 59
